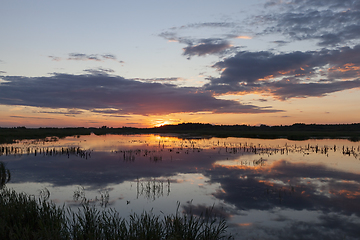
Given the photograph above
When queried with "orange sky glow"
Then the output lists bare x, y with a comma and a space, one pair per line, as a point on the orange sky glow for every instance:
220, 66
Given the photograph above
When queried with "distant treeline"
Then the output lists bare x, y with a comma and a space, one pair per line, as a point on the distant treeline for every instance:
298, 131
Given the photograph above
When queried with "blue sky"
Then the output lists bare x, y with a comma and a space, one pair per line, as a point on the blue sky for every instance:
145, 63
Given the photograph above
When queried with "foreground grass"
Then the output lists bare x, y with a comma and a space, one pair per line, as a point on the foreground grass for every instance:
23, 217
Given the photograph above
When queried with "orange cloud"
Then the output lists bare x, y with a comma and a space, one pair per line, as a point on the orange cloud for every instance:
345, 68
244, 37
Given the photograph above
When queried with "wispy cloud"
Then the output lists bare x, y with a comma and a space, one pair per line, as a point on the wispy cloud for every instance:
54, 58
86, 57
207, 25
68, 112
15, 116
160, 80
330, 22
99, 70
117, 94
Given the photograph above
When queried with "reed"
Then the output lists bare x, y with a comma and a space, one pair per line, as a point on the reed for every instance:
5, 175
23, 217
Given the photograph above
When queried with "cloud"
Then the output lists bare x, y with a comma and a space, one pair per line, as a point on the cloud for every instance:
84, 57
280, 42
54, 58
30, 117
67, 112
207, 46
123, 96
99, 70
87, 57
203, 46
171, 79
206, 25
331, 22
289, 75
109, 56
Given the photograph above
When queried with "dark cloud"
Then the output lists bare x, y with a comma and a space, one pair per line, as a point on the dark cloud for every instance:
289, 75
329, 22
109, 56
207, 47
84, 57
280, 42
99, 70
126, 96
2, 72
202, 47
65, 112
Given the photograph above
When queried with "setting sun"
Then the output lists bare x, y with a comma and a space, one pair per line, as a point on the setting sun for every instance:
160, 123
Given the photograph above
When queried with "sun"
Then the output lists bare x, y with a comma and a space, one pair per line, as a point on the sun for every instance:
160, 123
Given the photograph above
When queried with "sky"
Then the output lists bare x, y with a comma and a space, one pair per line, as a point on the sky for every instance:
147, 63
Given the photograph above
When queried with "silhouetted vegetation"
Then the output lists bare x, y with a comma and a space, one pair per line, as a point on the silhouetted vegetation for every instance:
5, 175
298, 131
23, 217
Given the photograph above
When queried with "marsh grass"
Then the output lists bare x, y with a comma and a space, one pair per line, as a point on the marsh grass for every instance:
23, 217
5, 175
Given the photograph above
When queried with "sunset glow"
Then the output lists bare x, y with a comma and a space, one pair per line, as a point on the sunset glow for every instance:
173, 64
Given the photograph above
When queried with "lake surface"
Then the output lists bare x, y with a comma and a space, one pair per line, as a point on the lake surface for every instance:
266, 189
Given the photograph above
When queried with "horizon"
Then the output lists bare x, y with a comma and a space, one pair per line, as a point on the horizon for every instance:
141, 64
185, 123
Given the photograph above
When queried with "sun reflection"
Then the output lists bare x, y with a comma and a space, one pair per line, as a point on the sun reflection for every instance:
244, 224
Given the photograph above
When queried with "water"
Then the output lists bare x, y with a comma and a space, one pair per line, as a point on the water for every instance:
267, 189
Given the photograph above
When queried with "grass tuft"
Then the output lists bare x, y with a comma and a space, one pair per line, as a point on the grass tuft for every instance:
23, 217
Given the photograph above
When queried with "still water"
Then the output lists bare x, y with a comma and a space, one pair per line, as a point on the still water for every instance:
266, 189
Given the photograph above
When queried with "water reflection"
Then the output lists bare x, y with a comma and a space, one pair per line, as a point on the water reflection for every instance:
267, 189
